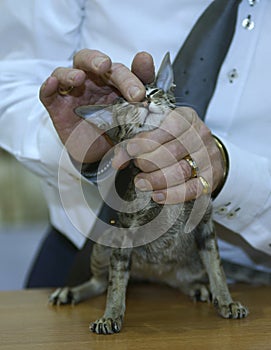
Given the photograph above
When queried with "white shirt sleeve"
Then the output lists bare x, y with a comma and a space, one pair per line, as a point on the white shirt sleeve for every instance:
33, 44
244, 203
25, 62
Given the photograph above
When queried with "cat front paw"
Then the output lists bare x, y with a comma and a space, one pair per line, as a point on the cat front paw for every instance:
106, 325
62, 296
234, 310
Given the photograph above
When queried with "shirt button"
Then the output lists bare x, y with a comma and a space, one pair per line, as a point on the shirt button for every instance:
248, 23
222, 210
231, 215
252, 2
232, 75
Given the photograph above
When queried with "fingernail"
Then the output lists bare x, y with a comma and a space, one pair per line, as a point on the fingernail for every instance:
98, 61
143, 185
159, 197
134, 92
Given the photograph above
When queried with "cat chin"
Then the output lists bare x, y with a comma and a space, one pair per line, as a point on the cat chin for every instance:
155, 108
154, 120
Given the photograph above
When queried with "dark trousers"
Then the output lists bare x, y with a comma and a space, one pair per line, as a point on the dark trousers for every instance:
59, 263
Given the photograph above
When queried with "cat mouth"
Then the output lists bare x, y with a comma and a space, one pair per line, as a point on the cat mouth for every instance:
145, 103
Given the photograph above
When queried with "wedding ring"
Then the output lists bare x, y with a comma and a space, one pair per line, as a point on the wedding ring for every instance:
193, 165
205, 184
65, 92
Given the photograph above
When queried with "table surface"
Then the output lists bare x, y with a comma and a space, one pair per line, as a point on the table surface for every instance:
157, 317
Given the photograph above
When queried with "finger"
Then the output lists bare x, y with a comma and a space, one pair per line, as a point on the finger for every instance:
192, 141
92, 61
143, 67
175, 123
131, 88
48, 89
170, 152
173, 175
162, 157
187, 191
69, 76
115, 74
167, 170
121, 158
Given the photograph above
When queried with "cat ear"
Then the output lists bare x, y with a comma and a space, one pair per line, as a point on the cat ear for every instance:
165, 76
100, 115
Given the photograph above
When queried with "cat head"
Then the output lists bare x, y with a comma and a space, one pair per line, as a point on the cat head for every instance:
123, 120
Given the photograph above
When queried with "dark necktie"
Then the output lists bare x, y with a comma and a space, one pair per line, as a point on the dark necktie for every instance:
198, 62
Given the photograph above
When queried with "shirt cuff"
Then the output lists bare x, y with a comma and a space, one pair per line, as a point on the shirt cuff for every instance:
97, 172
246, 190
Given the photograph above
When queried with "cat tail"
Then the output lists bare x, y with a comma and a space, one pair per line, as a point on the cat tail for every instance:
240, 273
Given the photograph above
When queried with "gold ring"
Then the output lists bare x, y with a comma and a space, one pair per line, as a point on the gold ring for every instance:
65, 92
193, 165
205, 184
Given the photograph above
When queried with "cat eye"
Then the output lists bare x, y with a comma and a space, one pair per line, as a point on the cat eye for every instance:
155, 93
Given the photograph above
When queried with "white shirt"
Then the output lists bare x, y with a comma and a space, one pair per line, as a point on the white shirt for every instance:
38, 36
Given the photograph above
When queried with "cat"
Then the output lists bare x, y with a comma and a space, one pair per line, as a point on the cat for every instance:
189, 261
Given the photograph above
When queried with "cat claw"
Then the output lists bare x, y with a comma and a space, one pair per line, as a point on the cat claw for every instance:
106, 325
62, 296
234, 310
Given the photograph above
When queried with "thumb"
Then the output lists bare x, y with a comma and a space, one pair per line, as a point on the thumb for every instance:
48, 90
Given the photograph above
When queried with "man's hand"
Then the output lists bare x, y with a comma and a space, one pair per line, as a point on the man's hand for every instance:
160, 155
93, 79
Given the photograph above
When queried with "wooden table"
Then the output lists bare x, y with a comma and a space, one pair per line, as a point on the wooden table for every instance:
157, 317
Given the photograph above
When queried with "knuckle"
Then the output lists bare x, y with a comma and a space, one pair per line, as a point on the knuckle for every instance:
79, 54
57, 71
